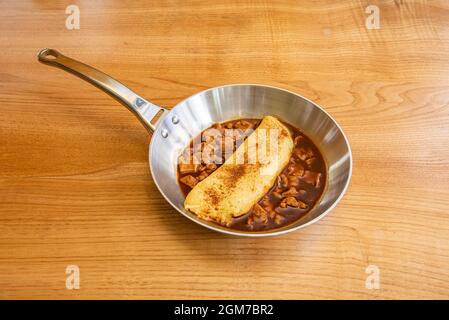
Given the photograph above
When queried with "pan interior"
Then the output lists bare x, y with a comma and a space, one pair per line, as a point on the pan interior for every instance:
248, 101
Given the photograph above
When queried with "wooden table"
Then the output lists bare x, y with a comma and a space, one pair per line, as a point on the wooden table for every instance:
75, 187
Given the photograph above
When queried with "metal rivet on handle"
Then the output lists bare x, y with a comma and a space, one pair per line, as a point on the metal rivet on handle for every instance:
139, 102
175, 119
164, 133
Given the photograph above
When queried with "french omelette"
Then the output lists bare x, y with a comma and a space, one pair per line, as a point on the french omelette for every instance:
245, 177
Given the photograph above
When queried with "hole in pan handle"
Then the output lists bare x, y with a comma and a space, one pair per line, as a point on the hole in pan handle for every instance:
148, 113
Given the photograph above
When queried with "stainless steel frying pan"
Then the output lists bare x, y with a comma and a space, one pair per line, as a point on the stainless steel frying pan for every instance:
173, 129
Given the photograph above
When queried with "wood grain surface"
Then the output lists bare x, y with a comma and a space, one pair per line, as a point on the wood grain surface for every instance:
75, 187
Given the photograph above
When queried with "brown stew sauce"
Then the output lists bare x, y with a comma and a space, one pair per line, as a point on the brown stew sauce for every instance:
295, 192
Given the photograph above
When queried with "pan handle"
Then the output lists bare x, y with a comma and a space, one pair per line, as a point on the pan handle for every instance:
149, 114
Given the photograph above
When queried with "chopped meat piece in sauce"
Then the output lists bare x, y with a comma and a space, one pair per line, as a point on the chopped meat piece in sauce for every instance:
228, 125
290, 192
292, 202
278, 219
298, 139
312, 178
188, 168
242, 124
294, 181
310, 161
303, 153
203, 175
289, 201
260, 213
266, 203
191, 181
295, 169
